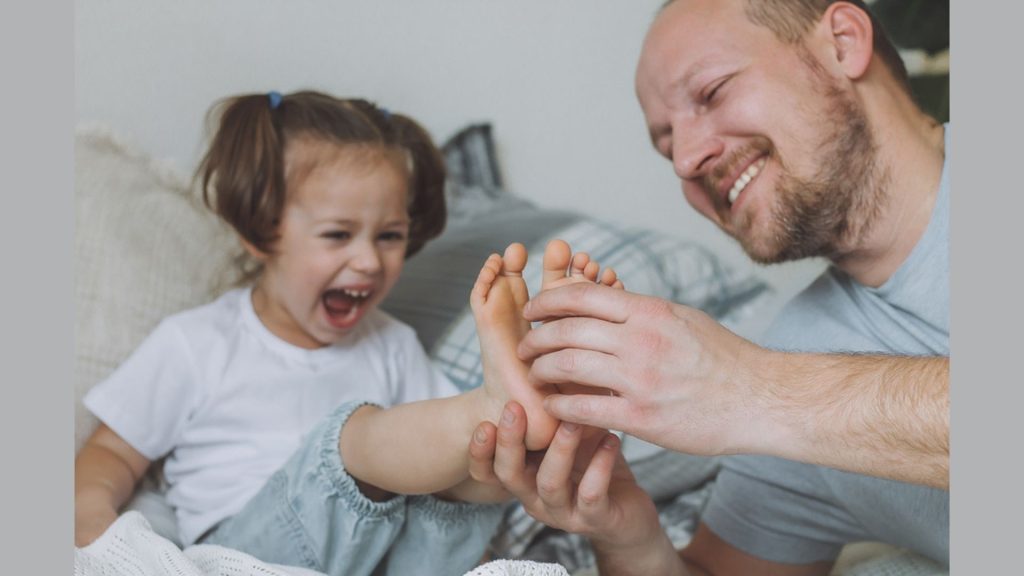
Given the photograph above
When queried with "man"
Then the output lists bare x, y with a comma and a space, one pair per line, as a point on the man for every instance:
792, 127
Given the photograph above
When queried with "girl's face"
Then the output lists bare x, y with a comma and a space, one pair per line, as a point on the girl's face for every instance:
341, 243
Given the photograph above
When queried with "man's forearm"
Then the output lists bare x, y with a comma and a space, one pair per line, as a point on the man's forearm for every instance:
879, 415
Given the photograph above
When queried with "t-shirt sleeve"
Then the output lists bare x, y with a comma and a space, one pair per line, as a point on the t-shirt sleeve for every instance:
778, 510
148, 398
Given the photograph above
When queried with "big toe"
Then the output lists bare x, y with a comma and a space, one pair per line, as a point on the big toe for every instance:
557, 255
514, 259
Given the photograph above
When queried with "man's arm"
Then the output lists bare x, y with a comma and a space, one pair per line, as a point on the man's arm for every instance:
885, 416
684, 382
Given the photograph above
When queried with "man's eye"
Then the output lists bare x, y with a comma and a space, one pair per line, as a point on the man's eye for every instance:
710, 95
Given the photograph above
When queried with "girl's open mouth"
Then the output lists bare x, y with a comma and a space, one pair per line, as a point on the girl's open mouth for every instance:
343, 305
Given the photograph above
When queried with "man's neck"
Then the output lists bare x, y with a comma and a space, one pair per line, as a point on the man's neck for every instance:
911, 147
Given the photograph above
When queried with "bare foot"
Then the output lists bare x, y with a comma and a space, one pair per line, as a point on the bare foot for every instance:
497, 301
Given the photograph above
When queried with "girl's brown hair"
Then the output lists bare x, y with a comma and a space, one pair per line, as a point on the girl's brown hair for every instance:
242, 174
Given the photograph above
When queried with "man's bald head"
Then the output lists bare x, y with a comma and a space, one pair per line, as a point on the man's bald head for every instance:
791, 20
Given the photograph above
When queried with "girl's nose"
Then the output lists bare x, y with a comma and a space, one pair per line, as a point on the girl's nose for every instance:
367, 259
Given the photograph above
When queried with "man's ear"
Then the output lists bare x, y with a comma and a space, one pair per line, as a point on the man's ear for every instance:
852, 37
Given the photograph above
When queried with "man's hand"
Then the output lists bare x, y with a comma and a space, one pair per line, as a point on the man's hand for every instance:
580, 484
680, 379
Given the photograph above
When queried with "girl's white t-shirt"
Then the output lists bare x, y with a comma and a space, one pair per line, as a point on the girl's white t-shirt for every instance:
228, 402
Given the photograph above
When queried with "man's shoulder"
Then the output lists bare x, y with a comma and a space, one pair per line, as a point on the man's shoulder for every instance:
818, 319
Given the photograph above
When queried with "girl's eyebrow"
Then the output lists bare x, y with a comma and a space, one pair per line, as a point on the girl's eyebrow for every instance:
404, 221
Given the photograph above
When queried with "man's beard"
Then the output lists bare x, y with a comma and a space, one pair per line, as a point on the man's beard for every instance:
827, 214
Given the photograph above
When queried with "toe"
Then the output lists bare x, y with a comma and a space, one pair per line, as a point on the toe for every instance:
485, 279
515, 259
609, 277
557, 255
580, 261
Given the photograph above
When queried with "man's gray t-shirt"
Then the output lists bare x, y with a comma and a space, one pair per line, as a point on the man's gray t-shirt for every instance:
799, 513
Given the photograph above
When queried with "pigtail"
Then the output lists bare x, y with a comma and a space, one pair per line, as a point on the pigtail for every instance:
427, 210
242, 173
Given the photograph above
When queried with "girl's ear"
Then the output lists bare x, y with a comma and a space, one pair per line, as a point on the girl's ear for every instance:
253, 251
852, 37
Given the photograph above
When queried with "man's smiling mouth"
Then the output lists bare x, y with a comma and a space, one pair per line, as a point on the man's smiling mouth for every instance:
745, 178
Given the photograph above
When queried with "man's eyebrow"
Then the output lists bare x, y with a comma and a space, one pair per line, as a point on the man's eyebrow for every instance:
701, 65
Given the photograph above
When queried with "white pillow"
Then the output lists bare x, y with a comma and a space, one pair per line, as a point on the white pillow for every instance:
145, 247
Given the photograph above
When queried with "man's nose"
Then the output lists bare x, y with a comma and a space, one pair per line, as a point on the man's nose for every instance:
695, 148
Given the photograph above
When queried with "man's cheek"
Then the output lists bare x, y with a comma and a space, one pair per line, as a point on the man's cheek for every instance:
699, 199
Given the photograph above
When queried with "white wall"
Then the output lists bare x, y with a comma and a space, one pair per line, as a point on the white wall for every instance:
554, 77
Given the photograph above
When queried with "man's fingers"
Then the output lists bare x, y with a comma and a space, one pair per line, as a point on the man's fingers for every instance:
583, 367
481, 453
558, 334
608, 412
554, 477
579, 299
510, 450
592, 493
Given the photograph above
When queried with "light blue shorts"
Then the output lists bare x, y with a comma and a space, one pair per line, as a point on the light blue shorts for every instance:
311, 514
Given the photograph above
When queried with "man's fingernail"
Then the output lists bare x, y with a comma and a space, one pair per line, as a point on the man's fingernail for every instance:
508, 418
480, 436
570, 427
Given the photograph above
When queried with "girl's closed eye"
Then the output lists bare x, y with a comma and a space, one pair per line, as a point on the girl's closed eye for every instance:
337, 235
392, 236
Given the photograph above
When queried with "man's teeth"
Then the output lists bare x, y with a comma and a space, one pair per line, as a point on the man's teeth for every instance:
745, 178
356, 293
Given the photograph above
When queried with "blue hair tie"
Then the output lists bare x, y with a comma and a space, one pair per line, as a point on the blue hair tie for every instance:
275, 99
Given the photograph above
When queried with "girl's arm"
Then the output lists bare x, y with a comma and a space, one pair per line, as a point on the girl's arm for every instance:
417, 448
106, 471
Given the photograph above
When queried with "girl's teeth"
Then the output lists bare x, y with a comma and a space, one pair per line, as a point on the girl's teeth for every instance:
745, 178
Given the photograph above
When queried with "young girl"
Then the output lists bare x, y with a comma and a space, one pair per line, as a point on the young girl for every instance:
248, 396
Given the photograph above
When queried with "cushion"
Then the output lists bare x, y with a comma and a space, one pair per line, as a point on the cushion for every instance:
145, 247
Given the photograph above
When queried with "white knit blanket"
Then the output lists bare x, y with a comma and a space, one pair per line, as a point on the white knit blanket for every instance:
130, 547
